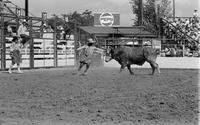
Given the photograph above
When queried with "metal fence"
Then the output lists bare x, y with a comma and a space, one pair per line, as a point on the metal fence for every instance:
179, 48
43, 50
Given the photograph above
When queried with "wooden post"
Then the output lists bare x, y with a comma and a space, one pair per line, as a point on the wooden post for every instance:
106, 44
55, 47
140, 18
3, 44
31, 45
26, 10
76, 44
174, 10
158, 20
183, 47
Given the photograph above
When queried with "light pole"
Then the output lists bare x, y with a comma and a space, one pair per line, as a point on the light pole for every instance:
75, 42
174, 10
26, 9
140, 19
1, 6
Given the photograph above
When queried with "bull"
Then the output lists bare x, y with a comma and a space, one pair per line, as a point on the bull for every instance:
126, 56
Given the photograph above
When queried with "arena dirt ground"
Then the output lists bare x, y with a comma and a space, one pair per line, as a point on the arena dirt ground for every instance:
104, 97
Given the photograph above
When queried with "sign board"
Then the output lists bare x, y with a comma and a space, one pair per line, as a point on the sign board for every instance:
106, 19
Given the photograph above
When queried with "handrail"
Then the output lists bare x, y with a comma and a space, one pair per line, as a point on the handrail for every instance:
182, 17
22, 17
179, 30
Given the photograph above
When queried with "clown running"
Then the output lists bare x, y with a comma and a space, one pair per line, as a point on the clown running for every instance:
86, 54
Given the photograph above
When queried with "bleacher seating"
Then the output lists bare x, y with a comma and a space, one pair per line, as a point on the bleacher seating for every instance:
182, 31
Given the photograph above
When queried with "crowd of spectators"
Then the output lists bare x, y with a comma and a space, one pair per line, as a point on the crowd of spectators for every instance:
185, 29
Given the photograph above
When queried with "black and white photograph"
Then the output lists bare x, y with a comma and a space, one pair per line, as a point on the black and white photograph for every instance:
99, 62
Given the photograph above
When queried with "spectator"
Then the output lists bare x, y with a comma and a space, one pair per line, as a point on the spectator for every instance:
173, 51
195, 15
187, 22
23, 32
44, 26
198, 24
9, 30
174, 23
167, 51
198, 37
187, 51
49, 29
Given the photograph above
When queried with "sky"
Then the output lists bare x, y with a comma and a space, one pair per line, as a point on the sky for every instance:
184, 8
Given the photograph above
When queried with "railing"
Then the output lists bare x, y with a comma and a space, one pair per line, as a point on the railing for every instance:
174, 50
180, 31
47, 51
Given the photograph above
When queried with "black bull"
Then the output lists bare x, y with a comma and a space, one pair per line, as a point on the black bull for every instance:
126, 56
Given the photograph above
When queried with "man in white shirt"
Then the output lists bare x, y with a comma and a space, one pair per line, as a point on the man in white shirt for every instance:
23, 32
195, 15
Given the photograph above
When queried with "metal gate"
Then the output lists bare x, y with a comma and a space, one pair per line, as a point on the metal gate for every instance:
44, 49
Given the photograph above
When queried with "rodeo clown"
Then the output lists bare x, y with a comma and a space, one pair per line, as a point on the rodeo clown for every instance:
86, 54
15, 54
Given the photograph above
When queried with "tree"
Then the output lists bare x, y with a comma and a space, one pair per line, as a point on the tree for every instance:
75, 19
166, 8
79, 19
88, 18
150, 11
55, 22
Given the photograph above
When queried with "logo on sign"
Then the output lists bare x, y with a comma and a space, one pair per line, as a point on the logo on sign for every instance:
106, 19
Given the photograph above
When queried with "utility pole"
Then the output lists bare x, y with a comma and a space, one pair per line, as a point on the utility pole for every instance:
26, 9
1, 5
140, 18
173, 10
2, 38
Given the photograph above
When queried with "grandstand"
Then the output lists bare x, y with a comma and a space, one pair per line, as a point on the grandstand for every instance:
181, 34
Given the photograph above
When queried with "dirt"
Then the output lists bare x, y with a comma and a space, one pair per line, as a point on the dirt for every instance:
103, 97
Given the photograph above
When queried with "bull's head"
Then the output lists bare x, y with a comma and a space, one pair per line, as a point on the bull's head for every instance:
109, 54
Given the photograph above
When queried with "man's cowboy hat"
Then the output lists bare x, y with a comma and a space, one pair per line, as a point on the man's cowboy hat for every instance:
45, 25
24, 21
91, 40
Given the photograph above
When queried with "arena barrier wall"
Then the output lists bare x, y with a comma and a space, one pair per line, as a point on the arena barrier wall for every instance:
167, 62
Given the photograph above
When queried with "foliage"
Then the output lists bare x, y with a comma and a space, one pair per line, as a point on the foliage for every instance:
72, 21
151, 13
